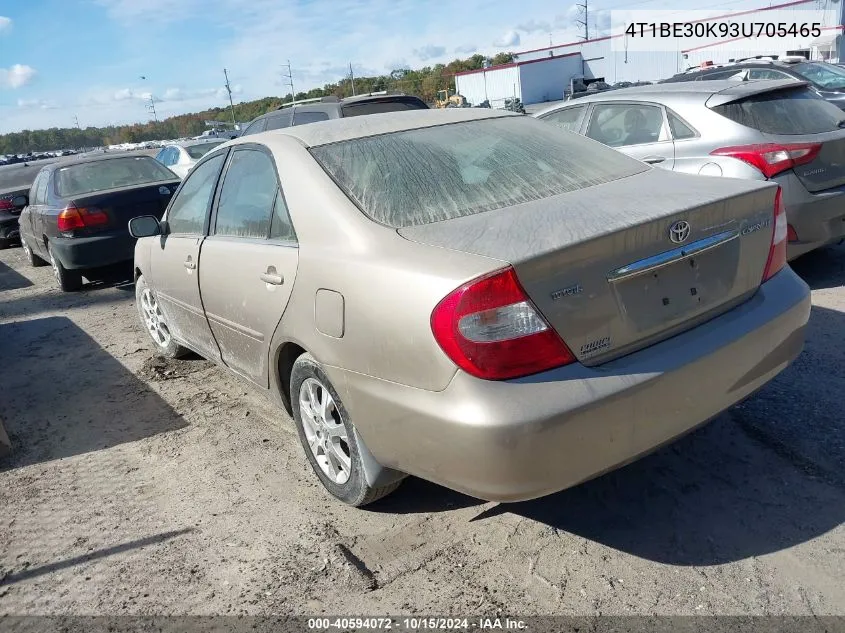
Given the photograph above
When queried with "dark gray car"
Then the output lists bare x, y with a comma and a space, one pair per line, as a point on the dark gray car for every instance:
328, 108
758, 130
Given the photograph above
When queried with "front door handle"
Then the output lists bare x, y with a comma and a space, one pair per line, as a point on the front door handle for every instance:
651, 160
190, 265
272, 278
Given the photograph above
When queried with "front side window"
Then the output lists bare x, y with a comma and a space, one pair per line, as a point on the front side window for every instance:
247, 196
449, 171
189, 209
621, 125
77, 180
566, 118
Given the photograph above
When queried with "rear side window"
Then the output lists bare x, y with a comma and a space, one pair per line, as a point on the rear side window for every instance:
566, 118
278, 121
388, 105
784, 112
247, 196
680, 130
254, 128
301, 118
451, 171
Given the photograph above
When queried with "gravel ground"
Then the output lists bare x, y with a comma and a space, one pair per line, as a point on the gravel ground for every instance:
140, 486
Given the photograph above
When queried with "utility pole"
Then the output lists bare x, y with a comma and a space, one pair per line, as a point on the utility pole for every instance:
151, 107
352, 78
76, 118
231, 103
584, 8
289, 75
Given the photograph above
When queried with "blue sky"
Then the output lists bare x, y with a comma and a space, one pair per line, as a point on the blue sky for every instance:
85, 58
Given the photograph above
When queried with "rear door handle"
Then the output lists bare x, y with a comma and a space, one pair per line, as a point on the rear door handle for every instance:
651, 160
190, 265
272, 278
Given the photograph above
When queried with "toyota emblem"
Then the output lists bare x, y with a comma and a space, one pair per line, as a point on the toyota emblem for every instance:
679, 231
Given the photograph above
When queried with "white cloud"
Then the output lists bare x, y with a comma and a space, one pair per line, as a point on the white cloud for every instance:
16, 76
429, 51
5, 23
39, 104
534, 26
467, 49
510, 38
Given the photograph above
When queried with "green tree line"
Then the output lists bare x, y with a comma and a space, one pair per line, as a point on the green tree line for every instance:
422, 82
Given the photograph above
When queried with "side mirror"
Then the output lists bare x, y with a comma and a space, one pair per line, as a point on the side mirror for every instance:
19, 202
144, 226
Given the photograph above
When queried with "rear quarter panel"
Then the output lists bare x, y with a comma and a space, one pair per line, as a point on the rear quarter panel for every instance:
389, 285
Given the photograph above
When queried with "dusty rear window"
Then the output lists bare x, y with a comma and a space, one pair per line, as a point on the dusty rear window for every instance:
794, 111
109, 174
450, 171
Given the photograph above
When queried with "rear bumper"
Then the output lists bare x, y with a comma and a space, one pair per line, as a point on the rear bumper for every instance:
818, 219
522, 439
93, 252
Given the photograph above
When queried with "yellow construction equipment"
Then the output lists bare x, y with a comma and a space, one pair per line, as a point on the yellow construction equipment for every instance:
449, 99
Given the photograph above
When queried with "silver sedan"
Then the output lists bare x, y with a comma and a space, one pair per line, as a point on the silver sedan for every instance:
757, 130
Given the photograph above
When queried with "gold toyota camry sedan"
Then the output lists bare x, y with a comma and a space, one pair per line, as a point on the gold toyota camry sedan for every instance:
471, 296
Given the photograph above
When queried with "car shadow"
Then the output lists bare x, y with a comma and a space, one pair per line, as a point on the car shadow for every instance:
10, 279
64, 395
765, 476
119, 276
34, 304
417, 496
822, 268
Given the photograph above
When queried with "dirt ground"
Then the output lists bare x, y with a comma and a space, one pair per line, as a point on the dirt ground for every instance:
141, 487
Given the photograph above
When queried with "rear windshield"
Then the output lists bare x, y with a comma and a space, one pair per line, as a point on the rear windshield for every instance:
198, 151
827, 76
450, 171
784, 112
387, 105
85, 178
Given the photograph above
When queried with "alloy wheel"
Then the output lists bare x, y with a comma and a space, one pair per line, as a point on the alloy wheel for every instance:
325, 431
154, 319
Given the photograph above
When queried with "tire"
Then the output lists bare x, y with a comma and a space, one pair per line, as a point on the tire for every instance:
154, 322
4, 244
69, 280
31, 258
344, 478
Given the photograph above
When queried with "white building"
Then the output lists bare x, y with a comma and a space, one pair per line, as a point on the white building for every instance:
544, 74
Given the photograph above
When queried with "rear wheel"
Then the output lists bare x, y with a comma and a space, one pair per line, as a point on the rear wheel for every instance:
31, 258
328, 436
154, 322
69, 280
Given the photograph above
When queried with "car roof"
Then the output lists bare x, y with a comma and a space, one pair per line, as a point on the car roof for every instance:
344, 129
728, 88
773, 63
197, 141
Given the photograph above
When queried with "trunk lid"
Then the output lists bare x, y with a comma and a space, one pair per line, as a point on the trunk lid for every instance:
125, 203
827, 169
601, 267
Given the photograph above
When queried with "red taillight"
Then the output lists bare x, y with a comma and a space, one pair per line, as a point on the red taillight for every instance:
791, 235
73, 217
491, 330
6, 205
772, 158
777, 251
